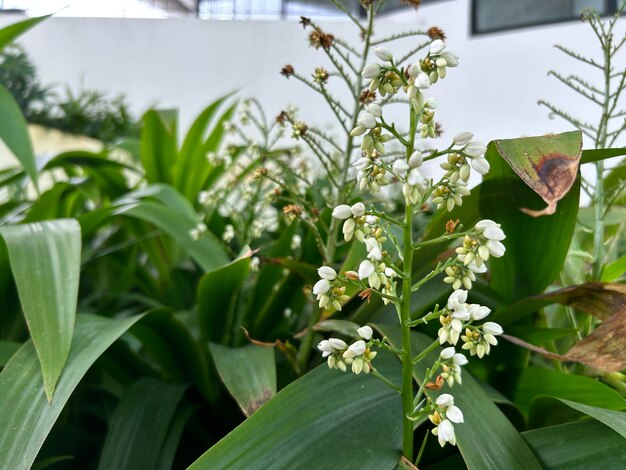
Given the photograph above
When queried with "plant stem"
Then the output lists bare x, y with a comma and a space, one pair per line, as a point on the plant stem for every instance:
405, 317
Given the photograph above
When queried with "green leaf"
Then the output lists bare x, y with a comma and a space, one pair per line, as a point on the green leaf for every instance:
535, 381
159, 150
325, 419
249, 374
217, 295
486, 439
7, 349
140, 425
581, 445
14, 133
616, 420
45, 260
192, 168
536, 247
26, 417
596, 155
207, 250
614, 270
9, 33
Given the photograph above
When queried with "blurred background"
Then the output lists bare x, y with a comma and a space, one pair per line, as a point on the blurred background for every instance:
185, 53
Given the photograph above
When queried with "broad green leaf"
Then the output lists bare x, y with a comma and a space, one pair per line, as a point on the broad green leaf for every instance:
7, 349
596, 155
45, 260
192, 168
325, 419
614, 270
217, 295
175, 432
486, 439
616, 420
581, 445
158, 146
343, 327
140, 425
9, 33
170, 344
536, 247
534, 381
249, 374
207, 250
26, 417
14, 133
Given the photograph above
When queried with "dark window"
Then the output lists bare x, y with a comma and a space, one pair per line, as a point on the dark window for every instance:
500, 15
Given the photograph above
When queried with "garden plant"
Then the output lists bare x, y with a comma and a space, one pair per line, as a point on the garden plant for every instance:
270, 293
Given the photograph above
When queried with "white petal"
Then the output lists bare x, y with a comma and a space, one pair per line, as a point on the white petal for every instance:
496, 249
366, 269
342, 212
445, 400
358, 347
365, 332
437, 47
459, 359
483, 224
371, 71
367, 120
326, 272
338, 344
325, 346
321, 287
481, 165
447, 353
457, 298
463, 138
492, 328
446, 430
475, 149
358, 209
454, 414
494, 233
383, 54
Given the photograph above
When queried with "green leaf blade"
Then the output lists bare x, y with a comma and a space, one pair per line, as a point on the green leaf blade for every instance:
45, 260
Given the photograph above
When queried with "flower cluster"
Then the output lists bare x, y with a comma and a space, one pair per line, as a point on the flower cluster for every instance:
444, 414
358, 355
327, 294
487, 242
458, 315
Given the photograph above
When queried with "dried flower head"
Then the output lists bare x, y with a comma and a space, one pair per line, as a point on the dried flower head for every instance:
292, 210
281, 118
319, 39
365, 294
287, 71
438, 130
321, 75
260, 173
304, 21
451, 226
299, 129
367, 97
436, 33
412, 3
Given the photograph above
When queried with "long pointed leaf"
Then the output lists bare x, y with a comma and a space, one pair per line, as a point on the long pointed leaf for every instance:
26, 417
45, 260
9, 33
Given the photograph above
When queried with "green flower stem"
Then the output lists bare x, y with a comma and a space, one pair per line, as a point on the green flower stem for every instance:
405, 315
380, 376
426, 352
441, 267
441, 239
423, 446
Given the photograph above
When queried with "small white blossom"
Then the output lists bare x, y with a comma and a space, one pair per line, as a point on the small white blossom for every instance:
371, 71
366, 269
456, 299
365, 332
355, 349
342, 212
338, 344
481, 165
437, 47
321, 287
229, 233
383, 54
475, 149
358, 209
328, 273
462, 139
367, 120
492, 328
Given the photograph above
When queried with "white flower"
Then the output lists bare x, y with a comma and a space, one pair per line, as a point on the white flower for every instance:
422, 81
326, 348
456, 299
229, 233
416, 159
496, 249
326, 272
447, 353
342, 212
462, 139
357, 131
483, 224
366, 269
494, 233
383, 54
321, 287
481, 165
371, 219
400, 167
452, 60
431, 103
459, 359
296, 242
338, 344
445, 433
461, 313
492, 328
371, 71
450, 330
478, 312
437, 47
375, 109
454, 414
444, 400
367, 120
475, 149
365, 332
358, 209
355, 349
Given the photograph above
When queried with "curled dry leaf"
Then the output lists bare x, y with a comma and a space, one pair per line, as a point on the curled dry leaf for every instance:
547, 164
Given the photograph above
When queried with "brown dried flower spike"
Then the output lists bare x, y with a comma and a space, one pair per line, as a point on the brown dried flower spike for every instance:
318, 39
451, 226
287, 71
436, 33
367, 97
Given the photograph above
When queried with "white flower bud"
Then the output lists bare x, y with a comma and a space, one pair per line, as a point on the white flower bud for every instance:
481, 165
431, 103
445, 433
371, 71
437, 47
494, 233
416, 159
483, 224
411, 92
492, 328
357, 131
367, 120
365, 332
342, 212
321, 287
452, 60
457, 298
496, 248
366, 269
375, 109
454, 414
422, 81
414, 70
459, 359
325, 347
447, 353
463, 138
475, 149
478, 312
383, 54
355, 349
400, 167
445, 399
328, 273
371, 219
358, 209
338, 344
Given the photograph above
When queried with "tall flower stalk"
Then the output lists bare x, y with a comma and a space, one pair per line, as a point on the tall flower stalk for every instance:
393, 158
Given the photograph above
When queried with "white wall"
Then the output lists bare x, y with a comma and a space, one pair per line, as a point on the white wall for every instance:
187, 63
